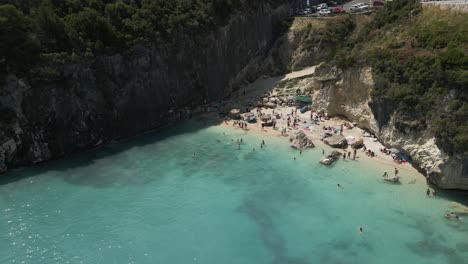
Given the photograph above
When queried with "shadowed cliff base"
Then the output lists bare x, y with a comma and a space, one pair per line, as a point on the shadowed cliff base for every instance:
84, 159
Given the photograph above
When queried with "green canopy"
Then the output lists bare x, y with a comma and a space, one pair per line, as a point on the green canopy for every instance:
303, 99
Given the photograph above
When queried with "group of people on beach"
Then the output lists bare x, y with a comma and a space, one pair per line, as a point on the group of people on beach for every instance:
241, 124
347, 153
368, 152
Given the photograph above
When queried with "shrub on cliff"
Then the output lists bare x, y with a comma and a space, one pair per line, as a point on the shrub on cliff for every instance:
420, 60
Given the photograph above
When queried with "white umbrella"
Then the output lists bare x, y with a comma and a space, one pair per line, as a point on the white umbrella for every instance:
394, 150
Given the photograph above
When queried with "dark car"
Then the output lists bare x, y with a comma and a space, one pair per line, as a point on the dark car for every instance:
378, 3
338, 10
332, 3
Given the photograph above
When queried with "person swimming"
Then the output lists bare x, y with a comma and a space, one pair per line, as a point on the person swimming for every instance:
339, 186
194, 155
360, 229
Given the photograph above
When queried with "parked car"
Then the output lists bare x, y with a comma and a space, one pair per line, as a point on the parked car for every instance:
323, 6
359, 7
338, 10
332, 3
378, 3
324, 12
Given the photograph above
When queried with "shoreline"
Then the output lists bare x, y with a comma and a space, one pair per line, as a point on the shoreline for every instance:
246, 97
380, 159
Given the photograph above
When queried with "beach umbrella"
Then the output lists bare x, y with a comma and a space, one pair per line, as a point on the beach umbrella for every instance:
394, 151
235, 112
303, 99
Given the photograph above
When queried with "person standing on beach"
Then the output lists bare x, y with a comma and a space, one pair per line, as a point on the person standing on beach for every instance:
396, 172
323, 152
428, 192
344, 155
349, 155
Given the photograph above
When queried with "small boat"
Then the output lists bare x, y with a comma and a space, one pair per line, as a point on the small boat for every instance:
394, 179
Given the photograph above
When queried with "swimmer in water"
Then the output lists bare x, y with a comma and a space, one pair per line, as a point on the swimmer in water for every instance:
300, 152
360, 229
194, 155
339, 186
294, 158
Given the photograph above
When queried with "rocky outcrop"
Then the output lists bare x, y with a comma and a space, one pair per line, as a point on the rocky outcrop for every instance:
336, 141
348, 94
299, 140
331, 157
112, 97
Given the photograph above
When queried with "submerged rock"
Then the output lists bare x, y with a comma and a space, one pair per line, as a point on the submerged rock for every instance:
300, 141
336, 141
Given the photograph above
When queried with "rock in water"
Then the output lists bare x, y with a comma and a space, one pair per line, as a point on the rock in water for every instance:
300, 141
336, 141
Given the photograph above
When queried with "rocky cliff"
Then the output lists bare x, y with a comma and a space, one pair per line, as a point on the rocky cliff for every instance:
112, 97
346, 85
347, 93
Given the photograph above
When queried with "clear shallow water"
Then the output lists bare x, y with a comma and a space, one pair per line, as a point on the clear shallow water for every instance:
148, 201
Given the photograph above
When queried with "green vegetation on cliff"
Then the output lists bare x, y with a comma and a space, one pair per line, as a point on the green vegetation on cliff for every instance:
46, 30
419, 58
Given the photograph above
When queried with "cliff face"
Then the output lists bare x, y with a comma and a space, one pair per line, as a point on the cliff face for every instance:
118, 96
346, 86
347, 93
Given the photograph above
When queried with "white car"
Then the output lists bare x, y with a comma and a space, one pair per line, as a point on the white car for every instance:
324, 12
323, 6
359, 7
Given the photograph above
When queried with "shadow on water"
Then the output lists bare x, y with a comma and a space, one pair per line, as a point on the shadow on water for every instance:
87, 158
269, 235
432, 244
458, 196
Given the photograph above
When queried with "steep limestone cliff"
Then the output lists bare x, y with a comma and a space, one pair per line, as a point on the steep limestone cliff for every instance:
347, 93
117, 96
346, 85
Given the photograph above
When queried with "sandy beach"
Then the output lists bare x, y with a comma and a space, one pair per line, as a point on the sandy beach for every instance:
313, 131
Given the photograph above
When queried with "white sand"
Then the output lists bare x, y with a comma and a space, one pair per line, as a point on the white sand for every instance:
263, 85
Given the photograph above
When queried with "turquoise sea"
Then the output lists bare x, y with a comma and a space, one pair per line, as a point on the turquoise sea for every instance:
147, 200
